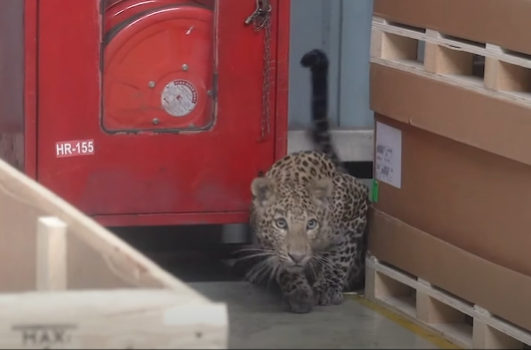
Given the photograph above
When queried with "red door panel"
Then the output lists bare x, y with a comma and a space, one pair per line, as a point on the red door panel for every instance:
137, 166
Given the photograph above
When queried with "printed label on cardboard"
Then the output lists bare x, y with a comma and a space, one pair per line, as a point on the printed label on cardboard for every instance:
388, 153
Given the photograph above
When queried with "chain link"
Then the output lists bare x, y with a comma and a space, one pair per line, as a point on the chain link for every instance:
261, 20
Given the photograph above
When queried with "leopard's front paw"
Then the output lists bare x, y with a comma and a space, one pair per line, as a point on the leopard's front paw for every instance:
300, 301
328, 296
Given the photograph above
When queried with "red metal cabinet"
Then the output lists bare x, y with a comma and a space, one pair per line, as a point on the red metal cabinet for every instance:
144, 112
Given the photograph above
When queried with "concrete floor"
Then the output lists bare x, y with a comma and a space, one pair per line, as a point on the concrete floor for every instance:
258, 322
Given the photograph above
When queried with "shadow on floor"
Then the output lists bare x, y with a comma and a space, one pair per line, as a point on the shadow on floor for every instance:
192, 253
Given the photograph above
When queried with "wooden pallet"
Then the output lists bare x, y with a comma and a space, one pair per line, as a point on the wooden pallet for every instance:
67, 282
466, 325
506, 74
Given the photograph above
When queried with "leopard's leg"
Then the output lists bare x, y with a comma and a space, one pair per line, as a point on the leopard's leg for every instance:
340, 264
356, 277
297, 293
329, 282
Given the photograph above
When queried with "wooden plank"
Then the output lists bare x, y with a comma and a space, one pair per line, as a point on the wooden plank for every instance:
51, 254
506, 74
131, 265
120, 319
451, 42
500, 22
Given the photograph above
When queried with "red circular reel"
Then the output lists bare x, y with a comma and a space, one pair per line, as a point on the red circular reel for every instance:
158, 66
119, 11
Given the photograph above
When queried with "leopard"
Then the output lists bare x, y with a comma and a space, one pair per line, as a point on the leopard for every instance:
308, 215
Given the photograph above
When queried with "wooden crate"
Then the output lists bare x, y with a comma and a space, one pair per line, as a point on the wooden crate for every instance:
66, 282
458, 93
467, 325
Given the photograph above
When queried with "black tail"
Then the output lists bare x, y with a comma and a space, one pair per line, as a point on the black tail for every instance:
317, 61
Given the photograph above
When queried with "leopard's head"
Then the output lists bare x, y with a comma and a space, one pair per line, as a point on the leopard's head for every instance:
291, 220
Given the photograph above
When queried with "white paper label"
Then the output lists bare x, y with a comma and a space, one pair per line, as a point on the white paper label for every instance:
388, 155
65, 149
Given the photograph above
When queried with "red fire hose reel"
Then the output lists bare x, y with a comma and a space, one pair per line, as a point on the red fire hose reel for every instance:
158, 65
146, 112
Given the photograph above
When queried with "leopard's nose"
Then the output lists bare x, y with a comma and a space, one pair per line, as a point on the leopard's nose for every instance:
297, 257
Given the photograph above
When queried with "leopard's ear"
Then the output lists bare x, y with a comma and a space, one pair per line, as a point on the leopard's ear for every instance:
263, 191
321, 190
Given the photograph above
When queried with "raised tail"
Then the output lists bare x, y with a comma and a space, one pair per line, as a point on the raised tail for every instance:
317, 61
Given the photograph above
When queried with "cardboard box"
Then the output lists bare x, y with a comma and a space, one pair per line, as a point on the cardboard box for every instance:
455, 216
492, 124
476, 200
453, 148
503, 292
500, 22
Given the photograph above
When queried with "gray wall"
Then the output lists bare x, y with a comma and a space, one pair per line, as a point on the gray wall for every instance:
342, 28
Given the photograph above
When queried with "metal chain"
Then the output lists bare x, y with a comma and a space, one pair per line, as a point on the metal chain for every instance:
261, 19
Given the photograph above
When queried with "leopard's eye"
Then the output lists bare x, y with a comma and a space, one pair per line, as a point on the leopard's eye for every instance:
281, 223
311, 224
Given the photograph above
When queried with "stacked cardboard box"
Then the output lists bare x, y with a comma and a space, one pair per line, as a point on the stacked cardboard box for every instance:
453, 147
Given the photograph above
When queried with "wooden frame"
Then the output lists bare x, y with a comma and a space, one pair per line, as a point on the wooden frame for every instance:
496, 21
66, 281
440, 311
449, 59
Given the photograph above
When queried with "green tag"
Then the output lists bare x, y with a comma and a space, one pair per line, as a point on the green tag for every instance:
375, 188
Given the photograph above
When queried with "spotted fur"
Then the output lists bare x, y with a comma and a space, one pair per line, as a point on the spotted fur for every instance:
309, 215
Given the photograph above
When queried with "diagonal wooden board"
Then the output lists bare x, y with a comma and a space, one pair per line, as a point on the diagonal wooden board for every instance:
169, 314
17, 187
